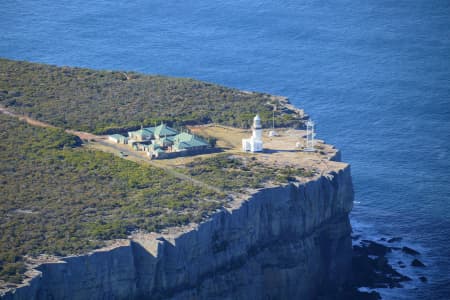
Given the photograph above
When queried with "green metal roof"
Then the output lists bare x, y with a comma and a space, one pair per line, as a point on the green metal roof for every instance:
144, 131
164, 130
183, 137
186, 140
117, 136
168, 138
141, 132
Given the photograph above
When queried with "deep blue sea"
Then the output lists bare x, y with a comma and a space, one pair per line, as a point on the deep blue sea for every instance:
373, 74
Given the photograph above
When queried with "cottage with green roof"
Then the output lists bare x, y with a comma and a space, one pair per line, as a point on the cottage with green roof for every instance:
143, 134
162, 141
189, 142
118, 138
163, 130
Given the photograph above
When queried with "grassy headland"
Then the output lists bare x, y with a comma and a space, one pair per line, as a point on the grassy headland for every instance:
107, 101
60, 199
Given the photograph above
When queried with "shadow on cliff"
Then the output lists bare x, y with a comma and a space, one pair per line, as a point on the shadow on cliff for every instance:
153, 274
146, 266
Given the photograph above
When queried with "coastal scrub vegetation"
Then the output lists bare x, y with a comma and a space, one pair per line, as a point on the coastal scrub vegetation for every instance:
237, 173
114, 101
59, 198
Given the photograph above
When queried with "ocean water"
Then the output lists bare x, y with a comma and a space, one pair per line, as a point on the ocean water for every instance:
373, 74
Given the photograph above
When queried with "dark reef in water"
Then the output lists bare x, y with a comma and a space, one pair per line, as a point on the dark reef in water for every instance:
371, 269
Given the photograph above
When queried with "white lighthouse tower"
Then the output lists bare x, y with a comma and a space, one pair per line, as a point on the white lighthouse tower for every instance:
254, 144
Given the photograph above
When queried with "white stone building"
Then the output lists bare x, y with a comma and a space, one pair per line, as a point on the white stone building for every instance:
254, 144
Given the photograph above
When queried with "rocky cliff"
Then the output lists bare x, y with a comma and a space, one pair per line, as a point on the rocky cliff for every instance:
285, 242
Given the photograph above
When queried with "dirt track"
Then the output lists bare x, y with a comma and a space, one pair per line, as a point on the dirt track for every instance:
101, 143
82, 135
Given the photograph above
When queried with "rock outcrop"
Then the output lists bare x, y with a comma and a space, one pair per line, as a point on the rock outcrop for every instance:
285, 242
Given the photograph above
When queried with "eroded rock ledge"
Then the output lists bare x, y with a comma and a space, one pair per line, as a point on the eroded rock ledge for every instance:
284, 242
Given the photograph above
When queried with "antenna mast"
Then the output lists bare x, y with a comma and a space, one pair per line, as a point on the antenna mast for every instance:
273, 116
273, 132
310, 136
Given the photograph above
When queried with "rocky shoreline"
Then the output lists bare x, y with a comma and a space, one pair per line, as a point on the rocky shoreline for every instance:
373, 270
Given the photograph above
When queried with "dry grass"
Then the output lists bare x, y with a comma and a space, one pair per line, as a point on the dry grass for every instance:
279, 151
227, 137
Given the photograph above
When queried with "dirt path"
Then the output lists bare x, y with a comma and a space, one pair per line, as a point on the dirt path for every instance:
82, 135
29, 120
101, 143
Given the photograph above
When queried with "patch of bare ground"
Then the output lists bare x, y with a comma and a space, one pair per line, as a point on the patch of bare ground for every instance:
283, 150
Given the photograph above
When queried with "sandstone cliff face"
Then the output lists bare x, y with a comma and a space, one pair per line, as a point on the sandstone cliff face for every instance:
281, 243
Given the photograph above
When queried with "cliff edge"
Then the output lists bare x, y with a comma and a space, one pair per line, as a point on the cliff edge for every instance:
282, 242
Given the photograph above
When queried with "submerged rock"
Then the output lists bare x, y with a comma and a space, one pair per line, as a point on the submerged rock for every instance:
410, 251
395, 240
374, 248
356, 237
417, 263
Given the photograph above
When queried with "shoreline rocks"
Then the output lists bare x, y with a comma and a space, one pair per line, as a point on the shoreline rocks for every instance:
394, 240
371, 268
417, 263
410, 251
